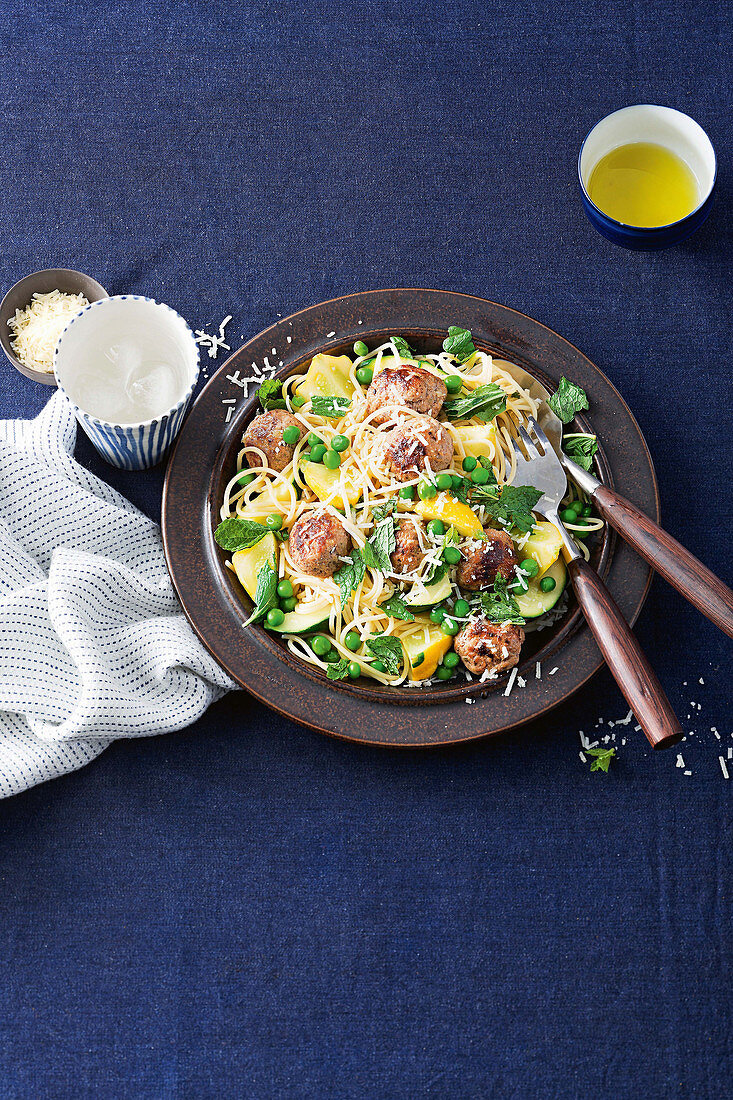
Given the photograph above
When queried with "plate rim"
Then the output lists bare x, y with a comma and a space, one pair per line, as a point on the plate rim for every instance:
344, 701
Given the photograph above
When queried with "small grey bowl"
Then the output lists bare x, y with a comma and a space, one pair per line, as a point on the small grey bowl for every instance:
41, 282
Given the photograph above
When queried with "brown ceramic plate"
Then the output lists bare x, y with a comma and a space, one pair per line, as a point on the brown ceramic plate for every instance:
204, 459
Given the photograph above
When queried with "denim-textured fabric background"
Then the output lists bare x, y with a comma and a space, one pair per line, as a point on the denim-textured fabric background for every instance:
247, 908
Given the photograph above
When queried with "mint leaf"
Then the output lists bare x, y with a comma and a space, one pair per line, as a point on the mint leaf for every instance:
485, 402
388, 650
329, 406
339, 670
581, 449
398, 609
265, 593
236, 533
512, 508
436, 574
602, 758
498, 605
567, 400
403, 348
350, 576
377, 551
459, 343
270, 394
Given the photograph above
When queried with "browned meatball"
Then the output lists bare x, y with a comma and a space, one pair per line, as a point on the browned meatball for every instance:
317, 542
484, 562
483, 645
266, 432
409, 450
409, 388
407, 555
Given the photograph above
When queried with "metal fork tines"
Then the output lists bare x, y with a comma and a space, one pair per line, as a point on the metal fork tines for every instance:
540, 468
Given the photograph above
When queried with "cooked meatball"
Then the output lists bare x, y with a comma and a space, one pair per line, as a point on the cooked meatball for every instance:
483, 645
409, 388
407, 555
409, 450
266, 432
317, 542
483, 562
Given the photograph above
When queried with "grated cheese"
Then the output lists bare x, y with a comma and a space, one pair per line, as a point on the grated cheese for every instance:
36, 329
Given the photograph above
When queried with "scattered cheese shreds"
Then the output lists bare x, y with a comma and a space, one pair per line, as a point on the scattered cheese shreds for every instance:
214, 343
36, 329
723, 767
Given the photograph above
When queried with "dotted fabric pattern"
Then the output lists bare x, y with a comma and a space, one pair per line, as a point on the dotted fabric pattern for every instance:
93, 642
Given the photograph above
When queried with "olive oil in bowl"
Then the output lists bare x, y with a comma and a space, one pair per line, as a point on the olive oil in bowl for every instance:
643, 184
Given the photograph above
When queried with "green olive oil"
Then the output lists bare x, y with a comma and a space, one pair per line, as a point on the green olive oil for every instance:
644, 185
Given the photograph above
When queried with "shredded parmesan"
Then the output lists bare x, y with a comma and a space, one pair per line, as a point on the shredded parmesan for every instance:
36, 329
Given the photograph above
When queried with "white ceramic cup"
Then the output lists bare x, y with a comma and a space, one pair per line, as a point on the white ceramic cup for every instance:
159, 346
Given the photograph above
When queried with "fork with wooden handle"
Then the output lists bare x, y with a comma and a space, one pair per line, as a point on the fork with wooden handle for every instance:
622, 653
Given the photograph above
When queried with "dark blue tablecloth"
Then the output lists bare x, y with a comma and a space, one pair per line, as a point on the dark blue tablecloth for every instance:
247, 908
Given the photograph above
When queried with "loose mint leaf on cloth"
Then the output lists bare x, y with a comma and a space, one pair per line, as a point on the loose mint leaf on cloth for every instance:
403, 348
350, 575
567, 400
499, 605
485, 402
270, 395
581, 449
236, 533
602, 760
265, 593
459, 343
339, 670
388, 650
330, 406
398, 609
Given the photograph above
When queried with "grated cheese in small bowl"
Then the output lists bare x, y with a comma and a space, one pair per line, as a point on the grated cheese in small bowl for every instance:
36, 329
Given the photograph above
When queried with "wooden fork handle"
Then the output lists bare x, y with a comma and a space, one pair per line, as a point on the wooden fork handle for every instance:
678, 566
623, 655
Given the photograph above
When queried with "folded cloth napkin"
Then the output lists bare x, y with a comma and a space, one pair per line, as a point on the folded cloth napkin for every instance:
93, 642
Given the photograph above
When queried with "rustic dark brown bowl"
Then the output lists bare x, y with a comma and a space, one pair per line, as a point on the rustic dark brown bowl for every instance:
41, 282
204, 460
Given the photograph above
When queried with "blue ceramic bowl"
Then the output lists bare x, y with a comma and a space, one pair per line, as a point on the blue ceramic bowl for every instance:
662, 126
130, 446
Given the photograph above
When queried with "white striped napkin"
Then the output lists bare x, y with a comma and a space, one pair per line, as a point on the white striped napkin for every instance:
93, 642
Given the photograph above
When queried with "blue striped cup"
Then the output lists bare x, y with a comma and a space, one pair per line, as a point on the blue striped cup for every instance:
91, 346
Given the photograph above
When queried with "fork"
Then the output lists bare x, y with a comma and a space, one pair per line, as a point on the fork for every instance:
622, 653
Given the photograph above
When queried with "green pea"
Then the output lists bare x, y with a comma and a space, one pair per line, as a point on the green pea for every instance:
426, 490
297, 401
332, 656
456, 482
480, 476
360, 348
289, 604
364, 375
407, 492
320, 645
436, 528
530, 567
306, 456
379, 666
291, 435
274, 521
469, 463
569, 515
314, 439
444, 673
547, 584
461, 609
586, 511
332, 460
354, 670
453, 383
452, 555
285, 589
450, 627
275, 617
352, 641
340, 442
451, 659
246, 479
318, 452
418, 660
444, 482
437, 615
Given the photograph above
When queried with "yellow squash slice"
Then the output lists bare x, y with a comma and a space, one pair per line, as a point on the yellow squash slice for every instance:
477, 441
544, 545
247, 563
452, 512
323, 482
327, 374
431, 642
